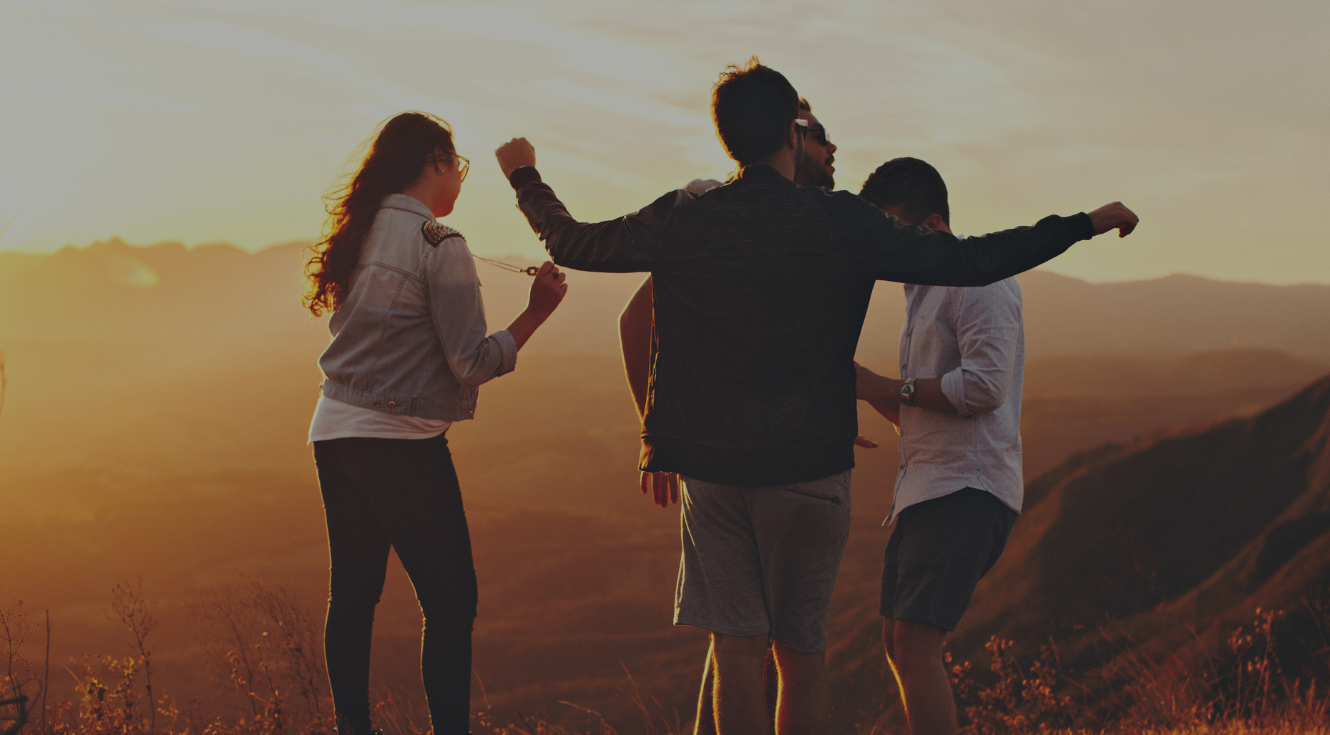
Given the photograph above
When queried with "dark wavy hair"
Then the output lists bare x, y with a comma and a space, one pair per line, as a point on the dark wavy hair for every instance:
399, 152
753, 106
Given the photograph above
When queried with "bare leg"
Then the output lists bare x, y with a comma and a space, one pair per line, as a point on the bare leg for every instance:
804, 707
889, 644
771, 682
705, 724
914, 650
740, 702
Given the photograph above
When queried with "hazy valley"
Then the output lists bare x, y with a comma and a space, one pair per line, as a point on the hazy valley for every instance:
158, 401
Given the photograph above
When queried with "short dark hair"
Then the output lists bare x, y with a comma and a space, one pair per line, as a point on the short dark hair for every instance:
753, 106
911, 185
803, 105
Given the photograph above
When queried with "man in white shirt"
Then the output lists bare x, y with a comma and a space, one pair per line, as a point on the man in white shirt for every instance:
959, 487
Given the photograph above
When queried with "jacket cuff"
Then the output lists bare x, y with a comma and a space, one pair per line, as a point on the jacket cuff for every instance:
953, 387
508, 349
524, 175
1081, 226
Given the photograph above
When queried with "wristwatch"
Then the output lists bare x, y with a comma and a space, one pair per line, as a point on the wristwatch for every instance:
907, 392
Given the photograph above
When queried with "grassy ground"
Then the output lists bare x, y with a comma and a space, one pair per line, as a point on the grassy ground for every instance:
264, 654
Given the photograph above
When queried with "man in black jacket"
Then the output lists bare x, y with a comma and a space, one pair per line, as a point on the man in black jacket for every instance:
760, 290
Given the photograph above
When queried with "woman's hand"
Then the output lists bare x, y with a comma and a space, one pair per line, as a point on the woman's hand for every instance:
547, 290
515, 154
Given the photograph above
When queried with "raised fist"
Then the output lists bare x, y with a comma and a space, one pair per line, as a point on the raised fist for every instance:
1114, 217
515, 154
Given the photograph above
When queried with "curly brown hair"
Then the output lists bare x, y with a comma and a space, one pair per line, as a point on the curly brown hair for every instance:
399, 152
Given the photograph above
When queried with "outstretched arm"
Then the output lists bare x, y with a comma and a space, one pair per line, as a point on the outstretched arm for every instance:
888, 250
628, 244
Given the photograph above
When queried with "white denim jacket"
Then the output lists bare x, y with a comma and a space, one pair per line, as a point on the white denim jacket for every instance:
409, 337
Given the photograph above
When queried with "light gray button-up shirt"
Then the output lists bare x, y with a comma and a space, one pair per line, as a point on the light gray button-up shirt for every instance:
974, 340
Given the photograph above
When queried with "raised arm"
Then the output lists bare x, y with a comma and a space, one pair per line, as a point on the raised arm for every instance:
891, 251
459, 314
624, 245
459, 317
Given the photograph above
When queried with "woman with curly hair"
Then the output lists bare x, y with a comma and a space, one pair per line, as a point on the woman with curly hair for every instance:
409, 351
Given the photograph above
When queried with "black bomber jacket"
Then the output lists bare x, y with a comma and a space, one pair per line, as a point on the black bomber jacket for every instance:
761, 287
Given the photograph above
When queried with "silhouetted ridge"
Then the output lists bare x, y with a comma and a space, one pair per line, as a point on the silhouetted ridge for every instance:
1186, 527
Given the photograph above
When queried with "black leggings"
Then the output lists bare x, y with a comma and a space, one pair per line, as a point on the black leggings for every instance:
403, 494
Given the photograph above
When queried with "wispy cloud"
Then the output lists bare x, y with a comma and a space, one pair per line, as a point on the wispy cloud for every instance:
250, 44
635, 106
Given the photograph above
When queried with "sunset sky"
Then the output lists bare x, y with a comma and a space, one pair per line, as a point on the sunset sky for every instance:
206, 121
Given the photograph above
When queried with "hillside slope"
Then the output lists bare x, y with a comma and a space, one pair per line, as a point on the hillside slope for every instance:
1194, 526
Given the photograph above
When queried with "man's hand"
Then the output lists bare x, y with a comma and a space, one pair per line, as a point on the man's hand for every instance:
664, 487
515, 154
890, 410
1114, 217
869, 386
865, 442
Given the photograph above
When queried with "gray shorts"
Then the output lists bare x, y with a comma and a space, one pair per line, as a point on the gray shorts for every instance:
762, 560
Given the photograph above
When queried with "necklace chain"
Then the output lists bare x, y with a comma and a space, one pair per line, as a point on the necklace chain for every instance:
530, 270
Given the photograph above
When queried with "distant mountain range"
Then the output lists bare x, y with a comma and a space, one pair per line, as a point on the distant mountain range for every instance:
168, 292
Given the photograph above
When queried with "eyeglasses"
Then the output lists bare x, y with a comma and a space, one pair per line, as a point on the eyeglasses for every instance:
802, 127
463, 164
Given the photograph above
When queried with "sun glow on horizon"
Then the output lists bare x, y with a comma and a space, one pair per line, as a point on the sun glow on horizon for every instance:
209, 121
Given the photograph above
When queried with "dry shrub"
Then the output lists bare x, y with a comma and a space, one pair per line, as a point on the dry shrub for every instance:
19, 686
1018, 698
265, 653
263, 647
1239, 687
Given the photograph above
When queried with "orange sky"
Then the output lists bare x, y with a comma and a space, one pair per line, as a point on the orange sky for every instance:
205, 120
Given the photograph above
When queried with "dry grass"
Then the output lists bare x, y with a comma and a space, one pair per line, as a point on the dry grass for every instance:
264, 653
1237, 687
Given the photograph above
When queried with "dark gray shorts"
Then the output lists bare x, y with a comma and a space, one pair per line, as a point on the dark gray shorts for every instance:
762, 560
938, 553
